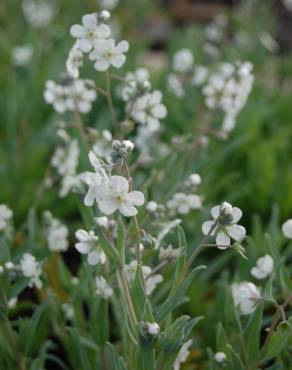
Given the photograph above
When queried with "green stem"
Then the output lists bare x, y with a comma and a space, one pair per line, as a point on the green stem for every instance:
110, 100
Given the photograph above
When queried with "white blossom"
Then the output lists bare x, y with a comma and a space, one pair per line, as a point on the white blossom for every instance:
246, 296
151, 206
169, 253
87, 244
220, 357
183, 354
5, 216
30, 268
183, 61
57, 234
175, 86
38, 13
12, 302
225, 217
89, 32
103, 289
116, 196
21, 55
108, 4
74, 61
136, 83
9, 265
81, 95
68, 310
153, 328
106, 53
200, 75
56, 95
184, 203
150, 281
264, 267
287, 228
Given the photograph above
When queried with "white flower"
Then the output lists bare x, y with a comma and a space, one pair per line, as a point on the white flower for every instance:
12, 302
117, 197
74, 61
287, 228
68, 310
220, 357
89, 32
246, 296
195, 179
38, 13
106, 53
136, 83
175, 86
57, 234
108, 4
264, 267
9, 265
87, 244
169, 253
56, 95
5, 216
102, 221
30, 268
226, 217
184, 203
182, 355
200, 75
151, 281
153, 328
151, 206
183, 61
103, 289
21, 55
81, 95
148, 110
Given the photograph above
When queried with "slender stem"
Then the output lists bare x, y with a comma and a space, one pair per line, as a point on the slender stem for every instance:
103, 359
110, 100
80, 126
158, 268
241, 340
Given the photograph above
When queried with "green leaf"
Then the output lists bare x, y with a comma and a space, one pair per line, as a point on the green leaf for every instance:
116, 362
252, 333
221, 338
145, 354
121, 239
141, 303
99, 321
174, 299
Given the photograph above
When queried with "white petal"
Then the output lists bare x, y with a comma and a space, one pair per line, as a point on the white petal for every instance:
85, 45
89, 198
136, 198
258, 273
82, 248
81, 235
118, 60
93, 258
206, 227
215, 212
101, 65
103, 31
222, 239
89, 21
159, 111
122, 46
119, 184
77, 31
236, 214
127, 209
236, 232
107, 206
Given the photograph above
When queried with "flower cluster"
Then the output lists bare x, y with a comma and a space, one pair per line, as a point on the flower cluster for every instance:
31, 269
87, 244
5, 216
57, 234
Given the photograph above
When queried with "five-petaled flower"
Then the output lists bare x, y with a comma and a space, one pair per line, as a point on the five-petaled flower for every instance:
87, 244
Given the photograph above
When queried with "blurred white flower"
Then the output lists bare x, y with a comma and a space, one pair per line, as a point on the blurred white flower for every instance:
136, 84
74, 61
87, 244
184, 203
108, 4
81, 95
106, 53
5, 216
153, 328
89, 32
68, 310
9, 265
226, 218
246, 296
56, 95
220, 357
102, 221
57, 234
183, 60
182, 355
151, 206
151, 281
288, 4
30, 268
116, 196
175, 86
38, 13
21, 55
12, 302
287, 228
264, 267
103, 289
169, 253
200, 75
148, 110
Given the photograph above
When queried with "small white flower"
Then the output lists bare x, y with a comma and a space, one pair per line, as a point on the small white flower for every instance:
151, 206
5, 216
74, 61
117, 197
1, 269
136, 83
108, 4
9, 265
12, 302
169, 253
87, 244
182, 355
195, 179
21, 55
38, 13
153, 328
30, 268
226, 218
81, 95
89, 32
148, 110
200, 75
57, 234
68, 310
220, 357
264, 267
106, 53
184, 203
175, 86
56, 95
151, 281
102, 221
183, 61
287, 228
103, 289
246, 296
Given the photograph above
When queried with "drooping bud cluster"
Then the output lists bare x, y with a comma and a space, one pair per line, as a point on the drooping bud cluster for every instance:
121, 149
